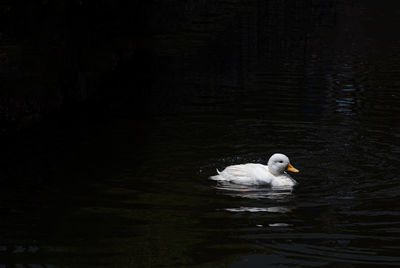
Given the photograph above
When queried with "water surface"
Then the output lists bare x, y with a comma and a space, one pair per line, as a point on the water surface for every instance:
123, 192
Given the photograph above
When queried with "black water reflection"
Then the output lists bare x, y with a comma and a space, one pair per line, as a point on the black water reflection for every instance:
109, 194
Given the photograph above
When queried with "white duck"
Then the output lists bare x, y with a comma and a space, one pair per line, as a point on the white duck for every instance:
252, 174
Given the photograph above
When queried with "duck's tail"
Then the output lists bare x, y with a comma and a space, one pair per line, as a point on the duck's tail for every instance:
217, 177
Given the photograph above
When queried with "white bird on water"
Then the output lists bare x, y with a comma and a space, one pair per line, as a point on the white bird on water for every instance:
273, 174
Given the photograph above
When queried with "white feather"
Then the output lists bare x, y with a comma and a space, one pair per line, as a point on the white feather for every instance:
254, 174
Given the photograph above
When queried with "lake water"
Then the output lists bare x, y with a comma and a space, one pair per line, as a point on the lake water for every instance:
123, 192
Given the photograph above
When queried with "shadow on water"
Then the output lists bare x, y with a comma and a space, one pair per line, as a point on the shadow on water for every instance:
123, 192
254, 192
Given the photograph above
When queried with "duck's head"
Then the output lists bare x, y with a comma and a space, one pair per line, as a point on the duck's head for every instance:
279, 163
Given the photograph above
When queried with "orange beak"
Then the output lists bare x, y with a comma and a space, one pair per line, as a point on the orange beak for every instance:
292, 168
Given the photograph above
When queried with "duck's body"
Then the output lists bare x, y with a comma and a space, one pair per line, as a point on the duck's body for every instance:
273, 174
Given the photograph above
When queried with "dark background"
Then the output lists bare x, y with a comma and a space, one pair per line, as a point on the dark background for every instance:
149, 57
113, 114
155, 56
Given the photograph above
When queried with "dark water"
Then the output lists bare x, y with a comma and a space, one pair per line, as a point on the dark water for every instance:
119, 192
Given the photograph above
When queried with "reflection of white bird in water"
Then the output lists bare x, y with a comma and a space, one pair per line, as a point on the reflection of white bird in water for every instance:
254, 174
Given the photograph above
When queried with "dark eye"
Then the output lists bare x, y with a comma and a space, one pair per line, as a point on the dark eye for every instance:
280, 161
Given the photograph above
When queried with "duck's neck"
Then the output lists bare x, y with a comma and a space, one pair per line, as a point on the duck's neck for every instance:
274, 171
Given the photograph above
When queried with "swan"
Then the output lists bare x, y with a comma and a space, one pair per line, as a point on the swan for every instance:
274, 174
